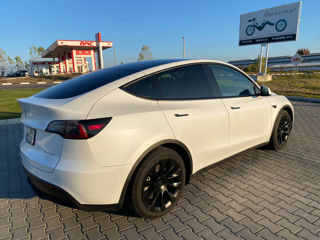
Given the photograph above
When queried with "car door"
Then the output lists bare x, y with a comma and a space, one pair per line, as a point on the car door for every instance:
249, 113
195, 113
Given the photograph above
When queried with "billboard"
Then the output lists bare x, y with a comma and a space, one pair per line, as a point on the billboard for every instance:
270, 25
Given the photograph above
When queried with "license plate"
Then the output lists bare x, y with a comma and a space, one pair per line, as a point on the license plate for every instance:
30, 136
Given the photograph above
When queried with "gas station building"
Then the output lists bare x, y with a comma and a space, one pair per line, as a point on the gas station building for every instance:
70, 56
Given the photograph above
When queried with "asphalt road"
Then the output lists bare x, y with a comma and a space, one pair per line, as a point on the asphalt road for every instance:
258, 194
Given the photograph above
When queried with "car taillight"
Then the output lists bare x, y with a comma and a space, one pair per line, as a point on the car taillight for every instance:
73, 129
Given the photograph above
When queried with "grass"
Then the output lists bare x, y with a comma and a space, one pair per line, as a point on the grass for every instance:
9, 107
296, 85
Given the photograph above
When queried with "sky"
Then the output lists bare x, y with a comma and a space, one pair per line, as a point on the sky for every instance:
210, 27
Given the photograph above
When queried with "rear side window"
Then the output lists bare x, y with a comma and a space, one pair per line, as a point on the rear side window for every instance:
147, 88
231, 82
189, 82
82, 84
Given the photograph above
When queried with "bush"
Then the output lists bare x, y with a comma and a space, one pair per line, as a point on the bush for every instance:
254, 67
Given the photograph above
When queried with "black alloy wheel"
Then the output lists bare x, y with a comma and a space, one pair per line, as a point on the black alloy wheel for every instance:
158, 183
281, 130
162, 185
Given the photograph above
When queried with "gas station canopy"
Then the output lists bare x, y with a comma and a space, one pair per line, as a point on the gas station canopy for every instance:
60, 47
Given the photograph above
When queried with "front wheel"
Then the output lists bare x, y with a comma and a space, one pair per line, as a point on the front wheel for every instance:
158, 183
281, 130
281, 25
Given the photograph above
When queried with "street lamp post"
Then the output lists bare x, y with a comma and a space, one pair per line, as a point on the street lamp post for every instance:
184, 47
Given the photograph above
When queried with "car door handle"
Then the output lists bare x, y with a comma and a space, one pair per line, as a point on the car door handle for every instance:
181, 115
235, 107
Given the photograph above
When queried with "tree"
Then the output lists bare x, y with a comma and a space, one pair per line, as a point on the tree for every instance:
303, 51
10, 65
145, 53
27, 65
18, 63
35, 53
3, 61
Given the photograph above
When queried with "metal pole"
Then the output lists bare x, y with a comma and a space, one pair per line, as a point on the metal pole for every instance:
260, 64
114, 56
184, 48
267, 56
100, 56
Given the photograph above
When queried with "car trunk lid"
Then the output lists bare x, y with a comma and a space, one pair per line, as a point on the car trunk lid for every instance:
37, 113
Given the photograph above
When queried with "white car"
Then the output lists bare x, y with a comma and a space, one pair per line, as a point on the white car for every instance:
137, 132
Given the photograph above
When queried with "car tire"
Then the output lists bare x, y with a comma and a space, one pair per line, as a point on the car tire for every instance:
281, 130
158, 183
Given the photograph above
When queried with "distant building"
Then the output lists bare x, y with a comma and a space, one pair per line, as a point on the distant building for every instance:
283, 63
38, 68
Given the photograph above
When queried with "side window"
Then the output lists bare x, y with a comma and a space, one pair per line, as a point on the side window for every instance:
231, 82
189, 82
146, 87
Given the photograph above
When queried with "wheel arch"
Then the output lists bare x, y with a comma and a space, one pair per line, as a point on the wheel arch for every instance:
289, 110
175, 145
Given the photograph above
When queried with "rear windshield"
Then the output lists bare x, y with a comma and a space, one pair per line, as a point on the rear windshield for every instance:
88, 82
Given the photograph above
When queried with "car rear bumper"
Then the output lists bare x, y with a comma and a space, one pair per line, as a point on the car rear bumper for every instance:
58, 193
78, 178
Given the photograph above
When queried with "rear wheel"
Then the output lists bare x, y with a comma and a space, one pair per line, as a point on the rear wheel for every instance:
281, 130
281, 25
158, 183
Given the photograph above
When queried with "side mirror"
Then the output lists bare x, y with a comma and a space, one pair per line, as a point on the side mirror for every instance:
265, 91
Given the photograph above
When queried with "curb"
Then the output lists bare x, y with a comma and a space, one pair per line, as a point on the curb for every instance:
10, 121
304, 99
27, 83
286, 74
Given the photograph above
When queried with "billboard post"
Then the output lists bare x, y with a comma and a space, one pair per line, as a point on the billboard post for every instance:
260, 64
267, 56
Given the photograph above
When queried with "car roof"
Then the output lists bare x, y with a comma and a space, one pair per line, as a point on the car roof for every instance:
142, 65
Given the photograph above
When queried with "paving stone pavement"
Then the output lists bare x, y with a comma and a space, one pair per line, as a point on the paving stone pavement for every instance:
258, 194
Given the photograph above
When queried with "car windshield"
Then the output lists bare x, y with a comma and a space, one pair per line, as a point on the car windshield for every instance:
88, 82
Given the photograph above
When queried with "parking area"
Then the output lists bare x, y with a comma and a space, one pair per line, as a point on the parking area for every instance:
258, 194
